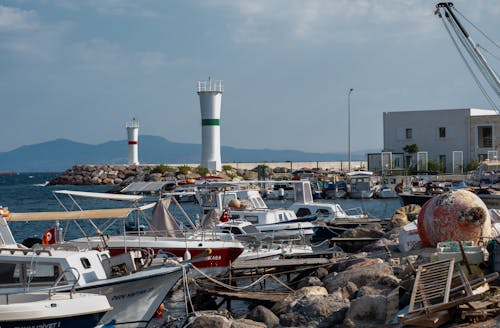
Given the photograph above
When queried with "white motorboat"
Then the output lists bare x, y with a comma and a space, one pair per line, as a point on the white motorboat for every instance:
248, 205
306, 208
386, 192
258, 244
361, 184
52, 309
133, 289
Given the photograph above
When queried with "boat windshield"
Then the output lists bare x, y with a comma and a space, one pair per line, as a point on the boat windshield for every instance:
251, 229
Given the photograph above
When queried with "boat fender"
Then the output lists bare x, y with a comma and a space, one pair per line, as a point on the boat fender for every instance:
187, 255
4, 211
160, 310
225, 216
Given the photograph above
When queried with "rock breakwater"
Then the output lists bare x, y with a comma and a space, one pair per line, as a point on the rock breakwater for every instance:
88, 174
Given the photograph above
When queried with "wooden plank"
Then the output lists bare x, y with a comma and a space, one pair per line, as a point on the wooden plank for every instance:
260, 264
465, 281
435, 320
273, 296
415, 289
448, 281
340, 239
479, 305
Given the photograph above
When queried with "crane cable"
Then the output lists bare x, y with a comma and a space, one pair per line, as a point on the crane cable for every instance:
478, 60
488, 98
477, 28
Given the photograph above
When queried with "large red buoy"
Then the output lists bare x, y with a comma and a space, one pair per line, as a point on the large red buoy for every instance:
458, 215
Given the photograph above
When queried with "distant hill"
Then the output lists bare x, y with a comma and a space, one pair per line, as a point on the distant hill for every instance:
60, 154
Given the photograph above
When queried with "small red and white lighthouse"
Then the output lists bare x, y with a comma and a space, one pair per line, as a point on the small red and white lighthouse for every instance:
133, 142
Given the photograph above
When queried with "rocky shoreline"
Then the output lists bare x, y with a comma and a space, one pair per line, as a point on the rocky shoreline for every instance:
368, 287
122, 175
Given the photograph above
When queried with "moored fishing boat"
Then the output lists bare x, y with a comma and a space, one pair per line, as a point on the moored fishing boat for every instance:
164, 237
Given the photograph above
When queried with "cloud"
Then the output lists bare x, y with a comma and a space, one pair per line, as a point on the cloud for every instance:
14, 19
24, 36
100, 54
348, 21
152, 60
112, 7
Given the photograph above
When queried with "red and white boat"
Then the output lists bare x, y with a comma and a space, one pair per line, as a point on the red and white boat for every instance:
207, 250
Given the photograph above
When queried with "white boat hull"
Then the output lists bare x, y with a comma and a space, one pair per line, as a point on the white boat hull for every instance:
135, 300
36, 309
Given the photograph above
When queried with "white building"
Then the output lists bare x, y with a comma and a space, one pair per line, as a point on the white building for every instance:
443, 134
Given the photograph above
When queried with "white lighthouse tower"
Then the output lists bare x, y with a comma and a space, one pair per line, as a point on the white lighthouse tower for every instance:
133, 142
210, 93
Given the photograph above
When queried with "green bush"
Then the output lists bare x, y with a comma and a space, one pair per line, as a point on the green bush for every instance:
184, 169
162, 168
473, 165
201, 170
435, 166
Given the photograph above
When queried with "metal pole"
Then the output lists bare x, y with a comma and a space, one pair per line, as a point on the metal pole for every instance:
349, 127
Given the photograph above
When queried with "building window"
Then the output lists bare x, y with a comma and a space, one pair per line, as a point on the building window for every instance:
484, 136
442, 132
409, 133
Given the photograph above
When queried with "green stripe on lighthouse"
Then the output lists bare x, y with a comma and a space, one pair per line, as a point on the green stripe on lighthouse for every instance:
210, 121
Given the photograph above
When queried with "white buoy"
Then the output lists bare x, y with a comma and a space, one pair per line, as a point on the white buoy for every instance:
133, 142
210, 93
187, 255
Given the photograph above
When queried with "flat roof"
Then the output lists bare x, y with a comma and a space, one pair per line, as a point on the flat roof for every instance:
472, 111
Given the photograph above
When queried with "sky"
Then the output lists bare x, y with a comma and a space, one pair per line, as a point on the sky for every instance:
80, 70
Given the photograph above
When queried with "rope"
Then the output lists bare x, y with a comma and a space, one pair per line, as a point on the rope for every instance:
236, 288
187, 294
489, 52
34, 258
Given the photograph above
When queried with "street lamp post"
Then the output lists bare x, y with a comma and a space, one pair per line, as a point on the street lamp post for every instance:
349, 127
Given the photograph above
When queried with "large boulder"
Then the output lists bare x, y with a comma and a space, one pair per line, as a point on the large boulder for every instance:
369, 272
262, 314
309, 307
246, 323
209, 319
368, 310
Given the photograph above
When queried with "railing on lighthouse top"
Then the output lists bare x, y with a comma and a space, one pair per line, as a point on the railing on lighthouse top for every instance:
210, 86
133, 124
